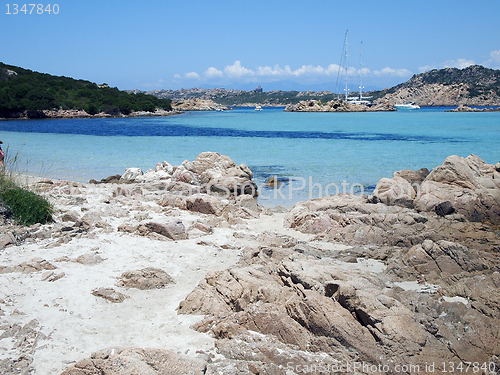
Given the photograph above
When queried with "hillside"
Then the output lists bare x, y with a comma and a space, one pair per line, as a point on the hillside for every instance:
25, 93
242, 98
474, 85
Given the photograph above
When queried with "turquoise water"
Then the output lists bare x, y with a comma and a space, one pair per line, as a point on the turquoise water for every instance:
322, 148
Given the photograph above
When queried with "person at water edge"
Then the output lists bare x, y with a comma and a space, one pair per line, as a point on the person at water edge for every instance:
2, 155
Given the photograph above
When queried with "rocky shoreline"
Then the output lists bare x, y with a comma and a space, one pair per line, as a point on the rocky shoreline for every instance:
178, 270
197, 105
73, 113
336, 106
464, 108
177, 108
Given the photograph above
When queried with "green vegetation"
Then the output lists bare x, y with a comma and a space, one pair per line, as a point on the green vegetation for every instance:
273, 97
24, 90
26, 206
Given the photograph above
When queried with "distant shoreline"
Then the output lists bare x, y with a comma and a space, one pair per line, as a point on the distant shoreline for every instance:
79, 114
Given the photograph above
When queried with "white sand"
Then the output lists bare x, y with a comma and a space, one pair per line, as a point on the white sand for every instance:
78, 323
75, 322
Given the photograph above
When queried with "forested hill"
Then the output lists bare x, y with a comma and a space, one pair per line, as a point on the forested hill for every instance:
26, 92
474, 85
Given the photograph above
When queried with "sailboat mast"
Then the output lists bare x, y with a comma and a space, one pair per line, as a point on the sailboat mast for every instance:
345, 62
361, 73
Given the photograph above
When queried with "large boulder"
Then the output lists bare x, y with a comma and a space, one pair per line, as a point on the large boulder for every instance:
210, 172
396, 190
221, 174
471, 185
468, 186
131, 174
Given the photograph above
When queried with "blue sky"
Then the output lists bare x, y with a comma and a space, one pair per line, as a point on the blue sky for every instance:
277, 44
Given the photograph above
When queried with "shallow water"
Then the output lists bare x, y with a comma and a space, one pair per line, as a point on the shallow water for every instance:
353, 150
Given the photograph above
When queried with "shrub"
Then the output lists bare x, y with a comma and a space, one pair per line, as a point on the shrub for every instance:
27, 207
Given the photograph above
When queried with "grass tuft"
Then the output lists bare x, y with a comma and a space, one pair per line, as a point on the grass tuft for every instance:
27, 207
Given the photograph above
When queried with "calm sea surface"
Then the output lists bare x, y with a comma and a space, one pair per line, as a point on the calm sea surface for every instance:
319, 150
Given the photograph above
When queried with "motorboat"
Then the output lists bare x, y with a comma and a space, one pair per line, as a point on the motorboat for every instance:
258, 108
409, 105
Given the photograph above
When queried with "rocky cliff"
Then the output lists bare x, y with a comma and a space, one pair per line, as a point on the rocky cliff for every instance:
474, 85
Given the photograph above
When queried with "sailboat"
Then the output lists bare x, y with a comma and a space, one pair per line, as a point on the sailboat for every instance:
343, 64
360, 99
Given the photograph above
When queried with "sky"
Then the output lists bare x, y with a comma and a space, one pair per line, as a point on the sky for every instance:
152, 44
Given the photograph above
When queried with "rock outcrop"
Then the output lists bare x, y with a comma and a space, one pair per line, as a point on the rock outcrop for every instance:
210, 173
336, 106
464, 108
410, 288
471, 86
197, 105
288, 306
469, 185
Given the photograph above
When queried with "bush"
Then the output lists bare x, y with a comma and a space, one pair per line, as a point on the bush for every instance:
27, 207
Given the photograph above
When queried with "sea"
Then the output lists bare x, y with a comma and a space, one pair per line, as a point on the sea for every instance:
311, 154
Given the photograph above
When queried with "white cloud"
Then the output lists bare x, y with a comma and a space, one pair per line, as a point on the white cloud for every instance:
459, 63
426, 68
494, 61
304, 74
177, 76
192, 75
267, 71
237, 71
393, 72
495, 56
364, 71
213, 73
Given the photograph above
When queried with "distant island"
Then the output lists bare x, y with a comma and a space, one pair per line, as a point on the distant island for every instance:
28, 94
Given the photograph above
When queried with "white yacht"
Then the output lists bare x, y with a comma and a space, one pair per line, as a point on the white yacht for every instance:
258, 108
359, 99
409, 105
